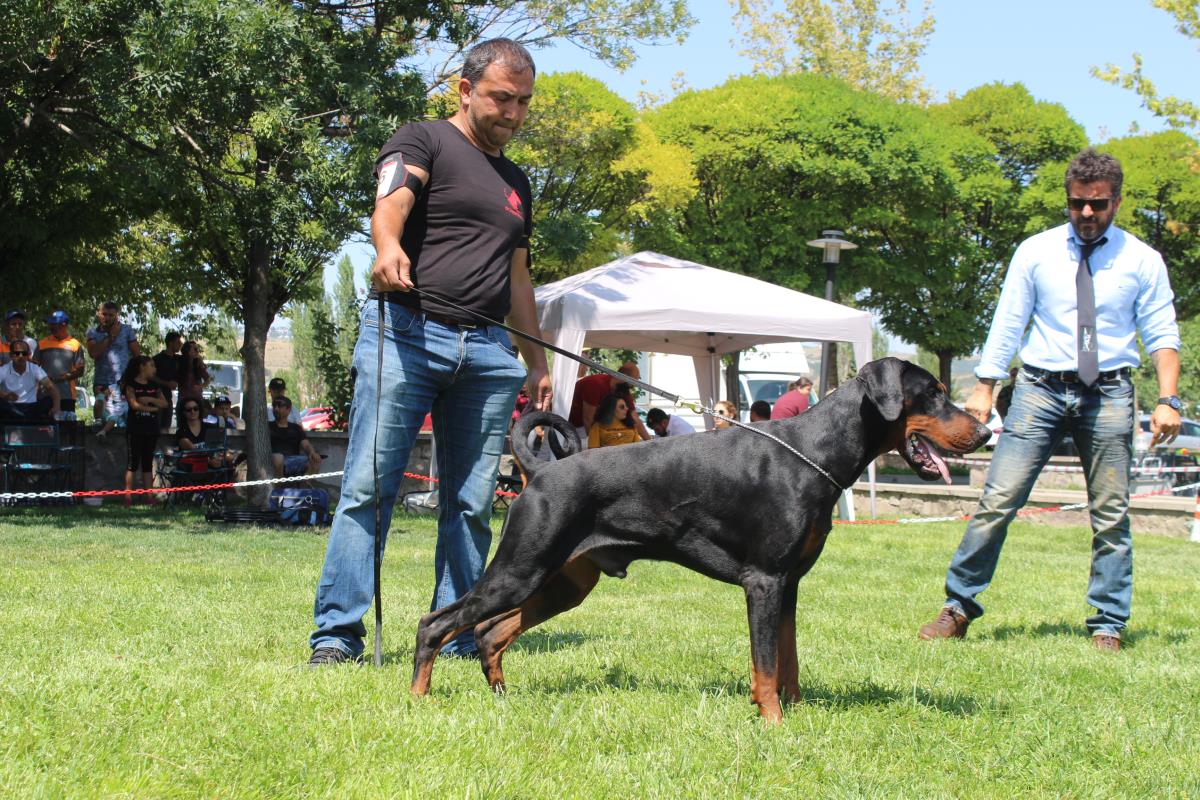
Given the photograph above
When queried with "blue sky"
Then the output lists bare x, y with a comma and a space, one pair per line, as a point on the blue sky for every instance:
1048, 45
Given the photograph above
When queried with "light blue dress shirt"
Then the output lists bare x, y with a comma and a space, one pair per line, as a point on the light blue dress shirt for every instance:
1037, 308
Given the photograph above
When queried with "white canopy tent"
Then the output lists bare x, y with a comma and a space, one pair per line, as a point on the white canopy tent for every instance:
654, 303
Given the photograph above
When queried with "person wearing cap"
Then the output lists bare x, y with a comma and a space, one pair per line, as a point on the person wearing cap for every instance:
222, 414
110, 344
277, 388
20, 384
61, 356
14, 331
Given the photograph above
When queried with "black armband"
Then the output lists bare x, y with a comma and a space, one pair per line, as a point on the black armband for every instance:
393, 175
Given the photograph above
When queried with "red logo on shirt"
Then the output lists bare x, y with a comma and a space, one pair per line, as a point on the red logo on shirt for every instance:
514, 204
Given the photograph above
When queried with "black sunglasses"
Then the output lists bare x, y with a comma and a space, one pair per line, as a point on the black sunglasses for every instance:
1097, 203
190, 408
15, 353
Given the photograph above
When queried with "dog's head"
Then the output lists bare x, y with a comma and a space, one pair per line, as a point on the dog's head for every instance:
923, 423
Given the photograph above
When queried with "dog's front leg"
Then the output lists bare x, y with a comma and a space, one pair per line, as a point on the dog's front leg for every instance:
764, 600
789, 668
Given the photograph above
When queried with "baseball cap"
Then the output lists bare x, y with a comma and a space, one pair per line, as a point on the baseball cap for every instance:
276, 383
57, 318
222, 399
13, 314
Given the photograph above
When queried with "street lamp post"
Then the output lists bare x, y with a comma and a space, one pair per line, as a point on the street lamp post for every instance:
832, 244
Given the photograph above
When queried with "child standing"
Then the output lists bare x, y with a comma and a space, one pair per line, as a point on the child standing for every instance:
141, 426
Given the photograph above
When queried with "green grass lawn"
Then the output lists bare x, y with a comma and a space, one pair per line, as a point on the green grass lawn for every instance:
152, 655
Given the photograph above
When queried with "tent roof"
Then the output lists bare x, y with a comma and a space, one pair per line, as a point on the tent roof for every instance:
655, 303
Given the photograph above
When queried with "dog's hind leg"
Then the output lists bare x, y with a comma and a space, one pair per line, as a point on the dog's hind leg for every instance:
788, 674
764, 599
564, 590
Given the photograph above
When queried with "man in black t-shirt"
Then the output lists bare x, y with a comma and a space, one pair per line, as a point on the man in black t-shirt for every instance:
291, 451
168, 369
452, 217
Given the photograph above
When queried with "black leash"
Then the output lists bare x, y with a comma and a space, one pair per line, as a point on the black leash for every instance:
378, 491
697, 408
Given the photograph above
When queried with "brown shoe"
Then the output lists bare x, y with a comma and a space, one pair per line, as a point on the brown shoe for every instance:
950, 624
1107, 643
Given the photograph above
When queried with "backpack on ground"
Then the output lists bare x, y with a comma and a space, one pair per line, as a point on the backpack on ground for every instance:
301, 506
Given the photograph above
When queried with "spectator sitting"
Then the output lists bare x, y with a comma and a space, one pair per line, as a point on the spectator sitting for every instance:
61, 355
20, 382
613, 424
193, 432
111, 345
222, 414
795, 400
590, 391
760, 411
113, 410
725, 412
664, 424
625, 392
278, 388
14, 331
291, 451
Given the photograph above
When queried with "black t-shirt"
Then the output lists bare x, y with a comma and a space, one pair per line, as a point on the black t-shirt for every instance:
197, 439
142, 421
475, 210
287, 440
168, 367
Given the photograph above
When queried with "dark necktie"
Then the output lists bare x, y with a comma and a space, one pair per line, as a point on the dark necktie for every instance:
1085, 340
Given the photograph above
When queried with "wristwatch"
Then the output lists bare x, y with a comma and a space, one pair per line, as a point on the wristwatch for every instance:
1173, 401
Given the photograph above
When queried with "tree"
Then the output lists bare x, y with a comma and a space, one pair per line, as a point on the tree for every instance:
1178, 113
777, 160
591, 166
997, 138
869, 44
1145, 380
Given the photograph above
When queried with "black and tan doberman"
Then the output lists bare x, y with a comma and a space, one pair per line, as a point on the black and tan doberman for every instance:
730, 504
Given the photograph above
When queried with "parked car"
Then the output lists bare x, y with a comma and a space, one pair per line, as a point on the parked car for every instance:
226, 380
318, 418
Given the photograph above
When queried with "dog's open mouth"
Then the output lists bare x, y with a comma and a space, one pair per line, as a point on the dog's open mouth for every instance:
925, 458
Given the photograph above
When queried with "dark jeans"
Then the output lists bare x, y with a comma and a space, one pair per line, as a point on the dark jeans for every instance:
31, 411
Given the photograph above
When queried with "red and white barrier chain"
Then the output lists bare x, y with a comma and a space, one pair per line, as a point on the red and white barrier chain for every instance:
983, 462
199, 488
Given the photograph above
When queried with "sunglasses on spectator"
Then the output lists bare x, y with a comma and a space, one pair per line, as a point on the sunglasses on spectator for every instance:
190, 408
1097, 203
15, 353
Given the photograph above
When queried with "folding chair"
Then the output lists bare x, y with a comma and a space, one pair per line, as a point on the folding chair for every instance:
182, 468
36, 462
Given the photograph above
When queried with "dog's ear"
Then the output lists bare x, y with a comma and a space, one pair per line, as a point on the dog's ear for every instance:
885, 386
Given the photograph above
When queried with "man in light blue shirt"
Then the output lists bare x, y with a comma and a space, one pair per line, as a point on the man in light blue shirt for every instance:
1075, 379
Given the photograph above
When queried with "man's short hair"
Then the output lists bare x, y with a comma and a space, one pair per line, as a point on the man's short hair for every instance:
277, 383
629, 368
510, 54
655, 416
1091, 166
173, 336
761, 408
111, 305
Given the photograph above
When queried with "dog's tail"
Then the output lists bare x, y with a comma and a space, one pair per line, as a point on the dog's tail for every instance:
556, 432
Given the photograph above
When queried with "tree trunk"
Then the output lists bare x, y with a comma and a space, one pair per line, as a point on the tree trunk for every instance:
257, 318
732, 371
945, 358
829, 372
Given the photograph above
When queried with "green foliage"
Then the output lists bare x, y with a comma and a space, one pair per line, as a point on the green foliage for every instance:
335, 373
592, 168
1178, 112
869, 44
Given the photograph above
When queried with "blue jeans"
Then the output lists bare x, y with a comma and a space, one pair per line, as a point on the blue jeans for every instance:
469, 378
1043, 409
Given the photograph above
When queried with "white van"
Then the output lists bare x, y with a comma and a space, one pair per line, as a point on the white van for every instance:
227, 378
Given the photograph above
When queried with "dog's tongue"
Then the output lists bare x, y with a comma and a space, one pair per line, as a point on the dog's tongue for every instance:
939, 463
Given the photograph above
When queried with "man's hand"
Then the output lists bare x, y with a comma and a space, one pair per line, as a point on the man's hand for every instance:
1164, 424
540, 391
391, 270
10, 396
979, 404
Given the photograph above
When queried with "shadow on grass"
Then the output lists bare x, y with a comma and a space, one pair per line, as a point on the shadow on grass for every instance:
867, 693
1048, 629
